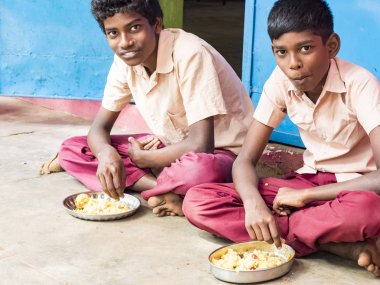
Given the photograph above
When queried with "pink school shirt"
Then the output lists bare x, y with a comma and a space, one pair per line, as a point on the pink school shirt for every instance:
192, 82
334, 130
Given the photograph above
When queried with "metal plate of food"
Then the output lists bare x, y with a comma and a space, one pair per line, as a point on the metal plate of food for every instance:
98, 206
250, 262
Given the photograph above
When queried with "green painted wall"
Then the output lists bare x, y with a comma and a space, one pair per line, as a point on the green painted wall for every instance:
173, 13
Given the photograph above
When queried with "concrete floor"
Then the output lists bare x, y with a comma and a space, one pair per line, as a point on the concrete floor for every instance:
41, 244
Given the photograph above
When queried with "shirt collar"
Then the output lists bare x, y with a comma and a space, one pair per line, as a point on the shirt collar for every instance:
164, 54
165, 51
333, 84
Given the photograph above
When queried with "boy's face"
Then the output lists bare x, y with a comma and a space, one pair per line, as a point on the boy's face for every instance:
133, 39
304, 59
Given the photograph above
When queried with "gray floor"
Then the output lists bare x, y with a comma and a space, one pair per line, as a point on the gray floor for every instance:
41, 244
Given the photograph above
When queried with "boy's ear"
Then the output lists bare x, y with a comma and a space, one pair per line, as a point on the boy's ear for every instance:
158, 26
333, 45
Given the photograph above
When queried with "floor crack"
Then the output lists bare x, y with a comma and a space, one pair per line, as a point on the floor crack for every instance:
20, 133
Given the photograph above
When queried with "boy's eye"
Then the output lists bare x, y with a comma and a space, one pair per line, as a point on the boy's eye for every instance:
305, 48
135, 28
280, 52
112, 34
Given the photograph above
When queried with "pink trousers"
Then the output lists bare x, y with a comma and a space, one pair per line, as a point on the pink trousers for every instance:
353, 216
189, 170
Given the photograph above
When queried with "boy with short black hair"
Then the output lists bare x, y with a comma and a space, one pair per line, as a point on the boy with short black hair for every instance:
187, 93
332, 203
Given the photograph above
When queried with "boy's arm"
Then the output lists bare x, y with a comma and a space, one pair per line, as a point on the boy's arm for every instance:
287, 197
259, 220
110, 172
200, 139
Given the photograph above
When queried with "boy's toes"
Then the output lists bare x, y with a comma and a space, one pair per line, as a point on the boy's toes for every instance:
154, 202
364, 259
159, 211
371, 268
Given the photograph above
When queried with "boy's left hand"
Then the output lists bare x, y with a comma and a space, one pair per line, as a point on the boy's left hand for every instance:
136, 150
150, 143
288, 198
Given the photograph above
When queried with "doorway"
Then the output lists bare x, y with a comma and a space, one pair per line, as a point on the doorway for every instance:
221, 24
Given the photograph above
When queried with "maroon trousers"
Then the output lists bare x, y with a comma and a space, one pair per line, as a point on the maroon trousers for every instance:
189, 170
353, 216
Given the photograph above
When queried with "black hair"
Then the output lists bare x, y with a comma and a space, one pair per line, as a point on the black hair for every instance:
300, 15
103, 9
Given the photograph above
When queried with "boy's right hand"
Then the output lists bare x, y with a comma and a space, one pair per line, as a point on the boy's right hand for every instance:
261, 224
111, 172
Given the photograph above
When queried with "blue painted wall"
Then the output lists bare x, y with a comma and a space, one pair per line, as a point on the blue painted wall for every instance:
356, 21
51, 49
55, 49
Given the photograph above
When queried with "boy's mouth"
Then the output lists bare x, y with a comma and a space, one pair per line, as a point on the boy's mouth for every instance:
300, 80
128, 54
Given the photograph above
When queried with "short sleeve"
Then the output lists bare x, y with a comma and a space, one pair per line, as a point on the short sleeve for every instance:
199, 85
271, 108
366, 100
116, 92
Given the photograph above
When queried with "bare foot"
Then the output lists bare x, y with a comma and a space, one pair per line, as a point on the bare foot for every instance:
366, 253
168, 204
51, 165
369, 256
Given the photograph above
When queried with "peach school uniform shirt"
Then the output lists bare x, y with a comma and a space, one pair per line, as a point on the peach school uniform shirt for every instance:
192, 81
335, 129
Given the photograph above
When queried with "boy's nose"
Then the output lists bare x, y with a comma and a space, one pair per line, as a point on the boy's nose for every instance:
125, 41
295, 62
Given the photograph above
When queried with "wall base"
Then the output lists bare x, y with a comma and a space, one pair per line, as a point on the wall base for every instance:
129, 119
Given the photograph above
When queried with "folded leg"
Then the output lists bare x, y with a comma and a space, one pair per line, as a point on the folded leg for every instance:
351, 217
76, 158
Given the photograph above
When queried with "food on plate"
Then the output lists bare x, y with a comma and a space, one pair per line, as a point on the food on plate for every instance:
95, 205
81, 200
249, 260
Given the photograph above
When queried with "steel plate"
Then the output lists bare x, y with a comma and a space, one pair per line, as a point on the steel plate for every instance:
252, 276
132, 202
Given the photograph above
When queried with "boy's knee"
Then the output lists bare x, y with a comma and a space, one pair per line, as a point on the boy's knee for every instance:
362, 210
66, 147
202, 200
203, 167
361, 201
191, 206
73, 147
73, 142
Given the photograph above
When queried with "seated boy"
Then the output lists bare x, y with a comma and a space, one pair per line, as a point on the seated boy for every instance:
187, 93
332, 203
